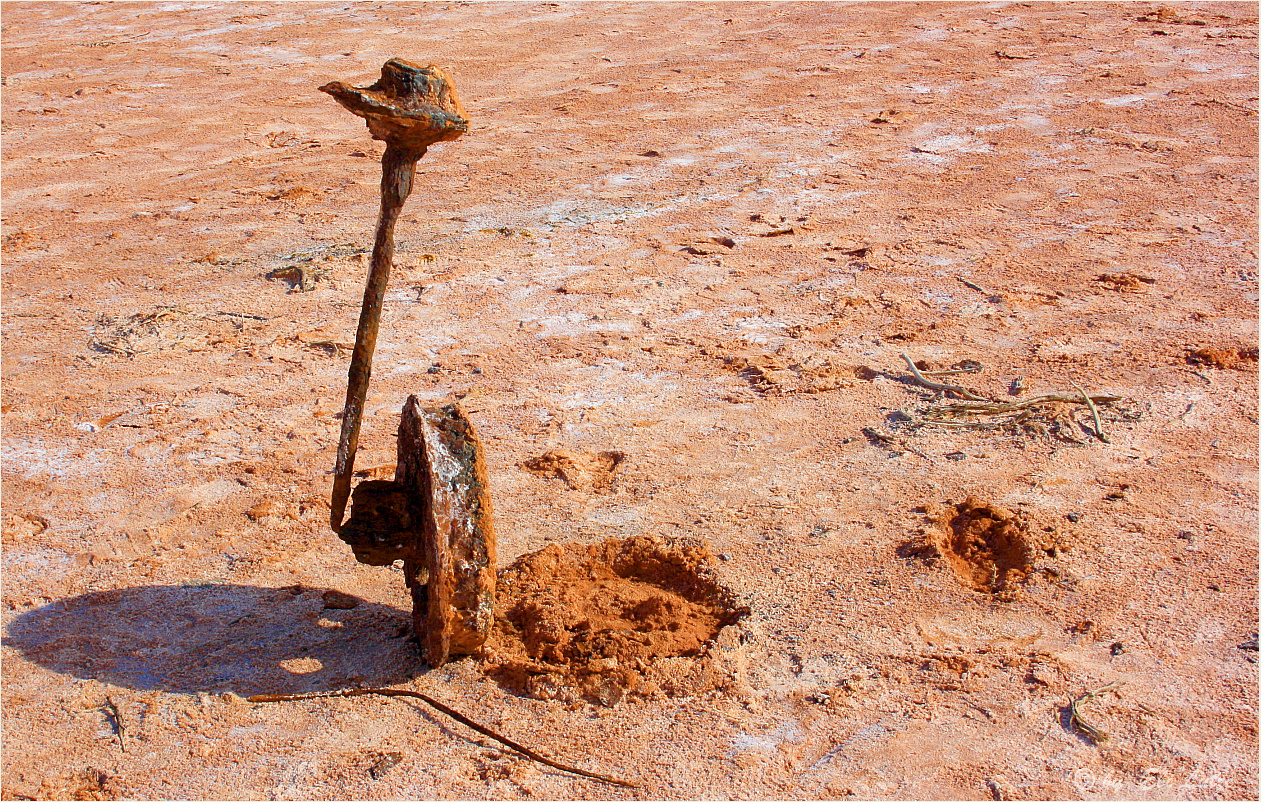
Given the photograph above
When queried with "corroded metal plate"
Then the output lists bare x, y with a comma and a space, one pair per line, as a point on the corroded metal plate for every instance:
442, 468
436, 517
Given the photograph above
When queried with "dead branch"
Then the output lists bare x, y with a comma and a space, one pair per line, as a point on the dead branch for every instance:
441, 708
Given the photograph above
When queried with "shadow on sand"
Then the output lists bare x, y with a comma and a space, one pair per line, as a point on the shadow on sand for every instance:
218, 638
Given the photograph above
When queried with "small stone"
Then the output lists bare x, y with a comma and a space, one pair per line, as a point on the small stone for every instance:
382, 767
266, 509
336, 600
1073, 517
608, 693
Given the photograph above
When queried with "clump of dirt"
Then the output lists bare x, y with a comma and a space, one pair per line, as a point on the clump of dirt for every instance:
1124, 282
776, 375
578, 471
987, 546
1223, 358
89, 784
633, 616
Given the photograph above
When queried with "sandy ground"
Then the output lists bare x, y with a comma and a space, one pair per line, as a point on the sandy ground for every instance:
698, 235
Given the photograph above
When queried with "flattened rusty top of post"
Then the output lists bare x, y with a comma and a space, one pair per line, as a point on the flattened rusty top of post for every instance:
410, 106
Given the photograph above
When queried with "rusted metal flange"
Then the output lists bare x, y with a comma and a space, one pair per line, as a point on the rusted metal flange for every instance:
442, 467
436, 517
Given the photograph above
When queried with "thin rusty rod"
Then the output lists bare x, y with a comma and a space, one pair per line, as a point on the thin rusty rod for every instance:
441, 708
398, 169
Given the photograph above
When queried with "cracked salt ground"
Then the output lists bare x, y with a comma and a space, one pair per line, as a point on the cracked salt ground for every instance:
767, 743
141, 174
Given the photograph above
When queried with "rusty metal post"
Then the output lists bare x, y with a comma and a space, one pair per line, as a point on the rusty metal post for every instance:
436, 514
409, 108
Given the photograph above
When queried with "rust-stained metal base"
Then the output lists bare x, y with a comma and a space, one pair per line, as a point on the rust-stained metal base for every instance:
435, 516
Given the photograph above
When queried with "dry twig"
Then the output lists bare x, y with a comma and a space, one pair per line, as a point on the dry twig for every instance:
932, 385
1094, 411
116, 717
441, 708
971, 285
1096, 735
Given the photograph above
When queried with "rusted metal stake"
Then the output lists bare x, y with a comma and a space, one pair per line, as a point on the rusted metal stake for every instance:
409, 108
436, 514
397, 170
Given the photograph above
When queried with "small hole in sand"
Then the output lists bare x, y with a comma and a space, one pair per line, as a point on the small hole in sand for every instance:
986, 545
620, 617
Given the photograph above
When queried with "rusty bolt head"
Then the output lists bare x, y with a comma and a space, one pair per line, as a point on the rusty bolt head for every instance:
409, 107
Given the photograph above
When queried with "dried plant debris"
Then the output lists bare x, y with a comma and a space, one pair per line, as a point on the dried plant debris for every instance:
1079, 723
166, 328
774, 375
142, 331
1053, 415
302, 269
